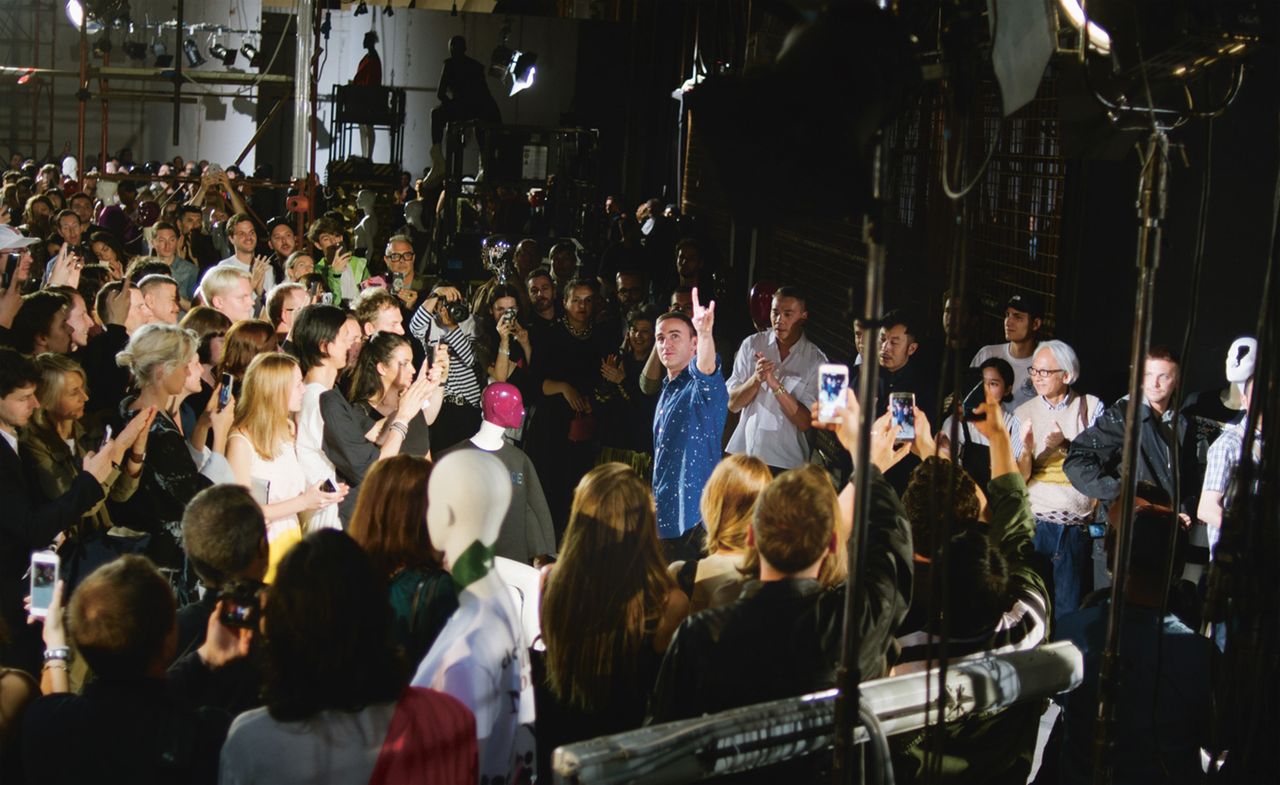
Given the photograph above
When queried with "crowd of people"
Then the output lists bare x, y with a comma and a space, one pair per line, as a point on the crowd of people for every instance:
323, 516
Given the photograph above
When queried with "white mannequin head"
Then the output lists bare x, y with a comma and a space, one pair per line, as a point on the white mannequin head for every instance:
1240, 359
468, 496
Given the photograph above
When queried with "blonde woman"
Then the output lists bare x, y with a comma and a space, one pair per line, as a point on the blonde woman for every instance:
262, 451
728, 501
166, 369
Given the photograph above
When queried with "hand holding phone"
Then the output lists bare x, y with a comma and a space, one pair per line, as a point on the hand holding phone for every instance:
44, 577
902, 408
106, 437
833, 380
224, 393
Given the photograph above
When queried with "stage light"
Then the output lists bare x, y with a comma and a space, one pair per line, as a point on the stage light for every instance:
500, 61
251, 54
522, 71
76, 13
192, 52
136, 50
220, 52
387, 10
1099, 39
361, 9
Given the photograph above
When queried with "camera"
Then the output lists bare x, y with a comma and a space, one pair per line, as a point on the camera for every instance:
458, 310
240, 604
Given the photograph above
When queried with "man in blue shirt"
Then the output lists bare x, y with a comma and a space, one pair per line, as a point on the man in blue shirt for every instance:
688, 425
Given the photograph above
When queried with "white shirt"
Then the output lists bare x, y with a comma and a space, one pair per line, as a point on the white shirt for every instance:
1022, 389
333, 746
267, 282
481, 659
11, 438
1011, 424
316, 466
763, 429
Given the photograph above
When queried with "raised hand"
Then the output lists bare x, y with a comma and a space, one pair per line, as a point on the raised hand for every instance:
886, 450
341, 259
611, 369
136, 429
704, 317
66, 268
258, 272
764, 368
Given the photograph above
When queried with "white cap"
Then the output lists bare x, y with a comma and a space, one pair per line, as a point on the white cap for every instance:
11, 239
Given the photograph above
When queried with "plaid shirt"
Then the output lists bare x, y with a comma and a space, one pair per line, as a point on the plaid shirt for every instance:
1224, 456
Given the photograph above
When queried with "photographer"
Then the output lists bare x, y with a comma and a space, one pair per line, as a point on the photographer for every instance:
445, 318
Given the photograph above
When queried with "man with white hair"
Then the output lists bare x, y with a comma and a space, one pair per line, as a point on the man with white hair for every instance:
230, 291
1050, 421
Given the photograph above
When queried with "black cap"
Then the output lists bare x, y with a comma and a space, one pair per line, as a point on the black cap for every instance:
1028, 303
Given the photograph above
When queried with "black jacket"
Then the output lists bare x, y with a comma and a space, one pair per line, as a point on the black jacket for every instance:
107, 382
1093, 460
783, 638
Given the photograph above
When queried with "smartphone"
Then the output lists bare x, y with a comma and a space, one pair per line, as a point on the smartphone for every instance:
106, 437
326, 298
833, 381
44, 576
240, 604
10, 267
969, 409
224, 394
328, 487
903, 407
315, 289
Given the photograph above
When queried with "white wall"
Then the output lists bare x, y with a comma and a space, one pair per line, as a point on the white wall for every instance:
414, 44
212, 129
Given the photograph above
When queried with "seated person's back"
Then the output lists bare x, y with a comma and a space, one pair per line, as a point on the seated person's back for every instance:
125, 727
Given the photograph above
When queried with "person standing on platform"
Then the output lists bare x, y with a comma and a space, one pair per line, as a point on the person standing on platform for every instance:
688, 425
369, 75
464, 95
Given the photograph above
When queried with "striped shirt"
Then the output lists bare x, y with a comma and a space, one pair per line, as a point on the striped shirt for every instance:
462, 382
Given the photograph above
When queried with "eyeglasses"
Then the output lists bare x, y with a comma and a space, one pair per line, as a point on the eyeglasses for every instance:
395, 257
1044, 373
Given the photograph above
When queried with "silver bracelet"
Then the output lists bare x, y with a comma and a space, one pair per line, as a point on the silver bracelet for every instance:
400, 428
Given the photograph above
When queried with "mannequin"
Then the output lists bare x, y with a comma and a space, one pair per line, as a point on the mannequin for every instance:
527, 531
1214, 409
480, 657
1240, 361
366, 232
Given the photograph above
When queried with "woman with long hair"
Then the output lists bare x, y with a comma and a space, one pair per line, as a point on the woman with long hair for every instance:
110, 252
263, 456
390, 524
330, 439
728, 502
245, 340
166, 369
383, 372
503, 342
56, 442
334, 686
608, 612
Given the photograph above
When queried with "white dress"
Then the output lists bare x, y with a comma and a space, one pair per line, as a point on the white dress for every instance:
272, 481
316, 466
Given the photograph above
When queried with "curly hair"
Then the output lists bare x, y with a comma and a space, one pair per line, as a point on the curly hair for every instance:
939, 491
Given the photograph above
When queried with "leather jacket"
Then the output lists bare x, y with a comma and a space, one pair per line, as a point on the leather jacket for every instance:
783, 638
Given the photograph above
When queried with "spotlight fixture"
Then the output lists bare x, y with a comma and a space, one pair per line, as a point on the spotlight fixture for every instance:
163, 58
361, 9
220, 52
386, 11
76, 12
251, 54
500, 61
326, 26
522, 71
136, 50
191, 51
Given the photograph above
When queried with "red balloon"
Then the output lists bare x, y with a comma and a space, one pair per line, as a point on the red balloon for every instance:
762, 303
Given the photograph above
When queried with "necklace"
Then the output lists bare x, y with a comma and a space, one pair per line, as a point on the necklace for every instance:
574, 331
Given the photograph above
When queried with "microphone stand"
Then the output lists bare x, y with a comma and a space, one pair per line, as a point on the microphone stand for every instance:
1152, 201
